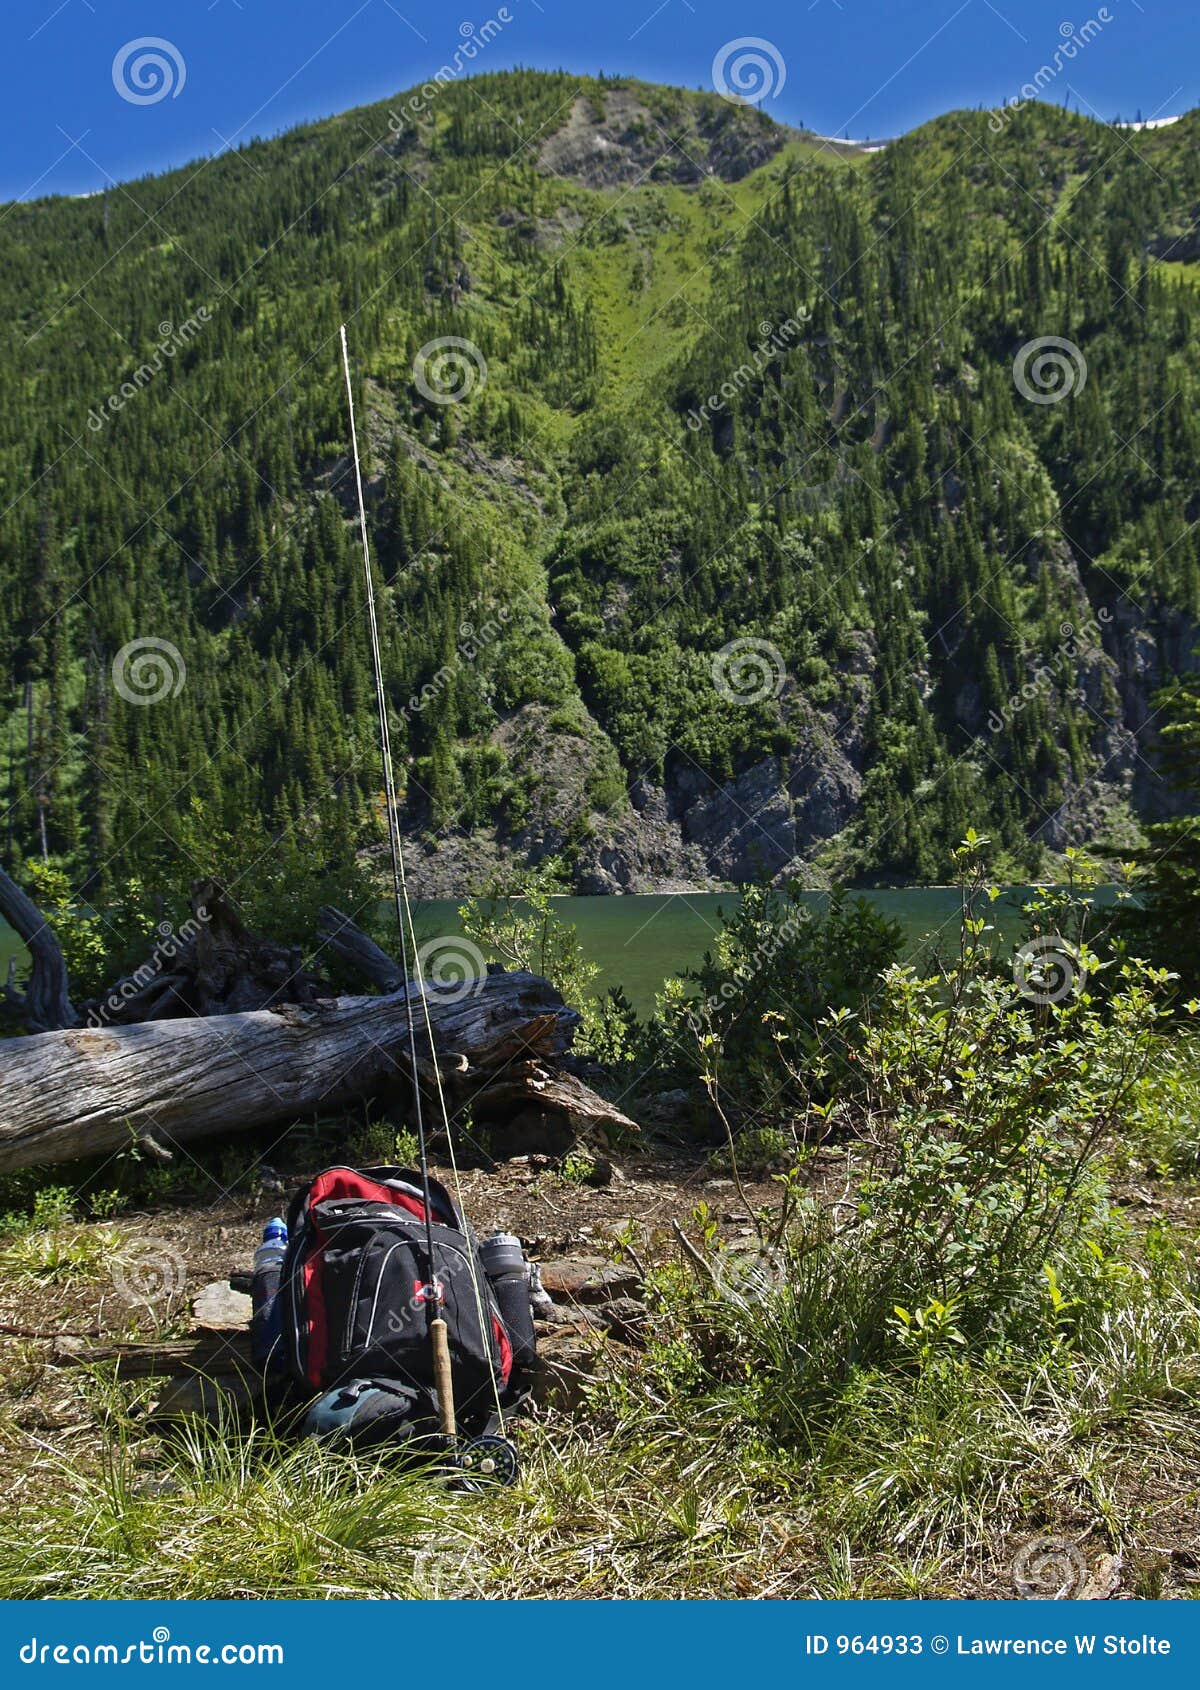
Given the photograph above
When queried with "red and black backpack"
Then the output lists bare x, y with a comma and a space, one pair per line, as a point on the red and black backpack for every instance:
356, 1281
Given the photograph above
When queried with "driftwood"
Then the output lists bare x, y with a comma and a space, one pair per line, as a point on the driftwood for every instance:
530, 1084
346, 941
222, 1030
205, 1353
211, 965
88, 1090
46, 1000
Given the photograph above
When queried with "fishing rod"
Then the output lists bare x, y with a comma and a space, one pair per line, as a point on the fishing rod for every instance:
439, 1337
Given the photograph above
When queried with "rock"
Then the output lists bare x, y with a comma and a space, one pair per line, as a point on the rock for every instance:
1104, 1580
567, 1362
553, 1315
158, 1484
605, 1172
213, 1398
219, 1308
541, 1133
625, 1318
563, 1373
674, 1105
588, 1279
614, 138
67, 1349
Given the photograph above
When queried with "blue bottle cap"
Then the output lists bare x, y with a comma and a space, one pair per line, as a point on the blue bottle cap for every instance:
275, 1229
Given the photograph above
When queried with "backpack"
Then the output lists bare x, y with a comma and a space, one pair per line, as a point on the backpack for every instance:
355, 1287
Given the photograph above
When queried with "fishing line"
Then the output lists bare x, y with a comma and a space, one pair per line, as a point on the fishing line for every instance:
404, 921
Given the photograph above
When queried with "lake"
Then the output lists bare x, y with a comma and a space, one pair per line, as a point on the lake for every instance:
638, 942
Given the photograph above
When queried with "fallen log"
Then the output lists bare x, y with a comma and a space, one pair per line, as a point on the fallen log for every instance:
226, 1352
90, 1090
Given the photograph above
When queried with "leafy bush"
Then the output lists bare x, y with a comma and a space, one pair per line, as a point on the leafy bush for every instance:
974, 1226
1166, 924
96, 947
1164, 1124
779, 965
519, 929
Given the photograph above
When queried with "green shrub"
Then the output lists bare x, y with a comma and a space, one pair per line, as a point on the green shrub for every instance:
519, 928
974, 1227
781, 966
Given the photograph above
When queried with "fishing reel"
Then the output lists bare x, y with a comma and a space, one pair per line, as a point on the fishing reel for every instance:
489, 1460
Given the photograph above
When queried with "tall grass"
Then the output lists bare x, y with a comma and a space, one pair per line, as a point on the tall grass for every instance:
969, 1347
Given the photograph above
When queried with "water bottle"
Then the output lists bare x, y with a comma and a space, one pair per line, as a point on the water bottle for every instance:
265, 1322
505, 1265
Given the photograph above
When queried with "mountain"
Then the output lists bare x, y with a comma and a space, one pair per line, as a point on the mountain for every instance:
735, 524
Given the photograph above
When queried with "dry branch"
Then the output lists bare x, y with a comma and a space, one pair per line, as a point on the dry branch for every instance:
46, 1001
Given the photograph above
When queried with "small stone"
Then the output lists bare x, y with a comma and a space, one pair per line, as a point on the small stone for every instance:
605, 1172
66, 1348
157, 1485
625, 1318
563, 1372
588, 1279
206, 1398
219, 1308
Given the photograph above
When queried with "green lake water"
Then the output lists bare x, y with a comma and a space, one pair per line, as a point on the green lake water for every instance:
638, 942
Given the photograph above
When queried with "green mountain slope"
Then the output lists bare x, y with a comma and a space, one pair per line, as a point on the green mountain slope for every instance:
721, 383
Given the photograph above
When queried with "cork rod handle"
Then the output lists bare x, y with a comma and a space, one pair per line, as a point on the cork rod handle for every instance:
442, 1377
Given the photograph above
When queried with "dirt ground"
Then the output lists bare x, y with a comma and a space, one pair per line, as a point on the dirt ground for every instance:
196, 1236
164, 1253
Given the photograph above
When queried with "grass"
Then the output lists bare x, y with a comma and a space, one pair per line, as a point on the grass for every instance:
63, 1255
700, 1467
1168, 1124
226, 1514
966, 1342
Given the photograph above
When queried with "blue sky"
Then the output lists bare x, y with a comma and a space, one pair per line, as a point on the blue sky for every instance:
242, 68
